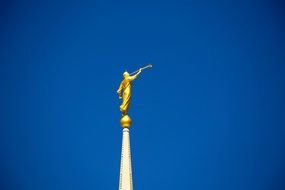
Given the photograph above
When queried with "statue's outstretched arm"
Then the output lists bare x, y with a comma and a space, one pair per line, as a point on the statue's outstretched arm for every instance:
136, 75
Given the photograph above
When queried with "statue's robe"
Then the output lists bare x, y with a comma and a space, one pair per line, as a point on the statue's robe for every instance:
125, 91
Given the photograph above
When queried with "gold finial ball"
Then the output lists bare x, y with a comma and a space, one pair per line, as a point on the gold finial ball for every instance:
126, 121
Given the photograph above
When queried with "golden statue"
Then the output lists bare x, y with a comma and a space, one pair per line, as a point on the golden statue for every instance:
125, 91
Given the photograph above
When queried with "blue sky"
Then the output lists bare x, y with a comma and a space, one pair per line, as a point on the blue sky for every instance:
209, 114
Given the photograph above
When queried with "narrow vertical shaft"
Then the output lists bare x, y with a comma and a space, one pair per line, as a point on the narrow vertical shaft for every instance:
126, 182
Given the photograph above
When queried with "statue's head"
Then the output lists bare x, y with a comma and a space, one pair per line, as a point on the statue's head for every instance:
126, 74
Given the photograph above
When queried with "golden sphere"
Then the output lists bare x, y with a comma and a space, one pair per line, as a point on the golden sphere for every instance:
126, 121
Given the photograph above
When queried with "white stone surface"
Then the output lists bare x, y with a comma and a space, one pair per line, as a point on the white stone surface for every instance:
126, 182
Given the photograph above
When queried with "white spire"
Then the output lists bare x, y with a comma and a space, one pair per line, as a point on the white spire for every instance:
126, 181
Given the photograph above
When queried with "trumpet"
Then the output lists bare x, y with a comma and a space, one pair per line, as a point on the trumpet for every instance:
148, 66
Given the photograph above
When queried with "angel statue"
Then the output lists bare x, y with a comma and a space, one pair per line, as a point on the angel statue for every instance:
125, 89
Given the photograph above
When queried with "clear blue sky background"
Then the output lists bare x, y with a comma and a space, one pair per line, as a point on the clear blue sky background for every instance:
210, 115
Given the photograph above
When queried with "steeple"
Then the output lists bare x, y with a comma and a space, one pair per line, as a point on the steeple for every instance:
126, 181
124, 92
